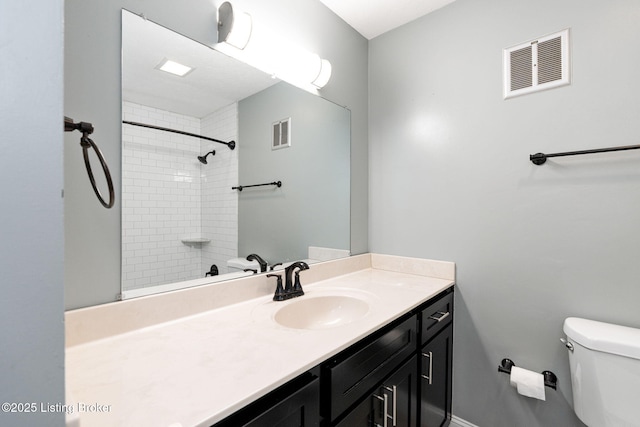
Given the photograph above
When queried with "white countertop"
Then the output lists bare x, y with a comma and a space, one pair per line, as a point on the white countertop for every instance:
196, 370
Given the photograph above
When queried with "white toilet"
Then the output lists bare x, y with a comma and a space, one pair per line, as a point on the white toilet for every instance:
605, 372
238, 265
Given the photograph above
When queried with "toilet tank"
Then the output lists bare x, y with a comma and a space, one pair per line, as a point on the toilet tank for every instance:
605, 372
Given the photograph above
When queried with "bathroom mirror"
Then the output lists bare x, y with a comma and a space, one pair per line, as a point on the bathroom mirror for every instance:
181, 217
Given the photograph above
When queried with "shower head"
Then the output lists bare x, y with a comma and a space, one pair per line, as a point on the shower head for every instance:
203, 159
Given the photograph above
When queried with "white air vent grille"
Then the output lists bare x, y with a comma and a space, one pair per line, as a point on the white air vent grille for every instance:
281, 134
521, 76
550, 60
537, 65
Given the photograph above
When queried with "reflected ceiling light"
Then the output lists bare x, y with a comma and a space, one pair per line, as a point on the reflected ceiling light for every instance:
272, 55
174, 68
233, 28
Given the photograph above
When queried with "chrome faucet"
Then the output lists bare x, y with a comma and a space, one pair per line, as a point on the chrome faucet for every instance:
292, 287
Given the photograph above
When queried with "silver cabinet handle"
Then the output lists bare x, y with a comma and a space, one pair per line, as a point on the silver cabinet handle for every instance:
442, 314
385, 411
430, 376
394, 406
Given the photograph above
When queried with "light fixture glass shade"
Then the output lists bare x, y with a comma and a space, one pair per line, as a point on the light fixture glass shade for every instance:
234, 26
298, 66
324, 75
273, 54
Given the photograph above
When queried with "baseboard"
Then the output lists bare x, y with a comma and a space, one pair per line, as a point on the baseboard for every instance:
459, 422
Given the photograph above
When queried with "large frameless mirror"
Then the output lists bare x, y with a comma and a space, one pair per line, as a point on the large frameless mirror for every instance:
185, 222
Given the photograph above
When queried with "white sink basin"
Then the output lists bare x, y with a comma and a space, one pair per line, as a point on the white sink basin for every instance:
321, 312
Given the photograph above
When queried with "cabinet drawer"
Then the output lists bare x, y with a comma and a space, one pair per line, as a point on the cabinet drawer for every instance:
436, 317
354, 376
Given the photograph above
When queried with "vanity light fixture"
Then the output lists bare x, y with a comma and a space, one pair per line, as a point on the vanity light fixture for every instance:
173, 67
273, 55
323, 75
233, 28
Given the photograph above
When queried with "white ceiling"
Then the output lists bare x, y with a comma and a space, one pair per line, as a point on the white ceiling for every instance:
216, 81
374, 17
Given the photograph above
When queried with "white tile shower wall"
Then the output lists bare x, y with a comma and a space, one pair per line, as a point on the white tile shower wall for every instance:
161, 201
219, 201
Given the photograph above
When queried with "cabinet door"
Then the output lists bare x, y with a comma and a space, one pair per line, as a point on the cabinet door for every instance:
360, 416
392, 404
402, 389
296, 409
435, 380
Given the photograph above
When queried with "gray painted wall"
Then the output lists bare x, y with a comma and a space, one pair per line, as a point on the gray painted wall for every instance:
92, 93
450, 179
31, 307
312, 206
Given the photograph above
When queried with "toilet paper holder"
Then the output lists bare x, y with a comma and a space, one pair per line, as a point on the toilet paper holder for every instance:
550, 379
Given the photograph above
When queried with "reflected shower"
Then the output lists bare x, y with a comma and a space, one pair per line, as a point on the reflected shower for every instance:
203, 159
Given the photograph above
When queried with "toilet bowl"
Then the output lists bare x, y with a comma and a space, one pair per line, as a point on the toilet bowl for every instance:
605, 372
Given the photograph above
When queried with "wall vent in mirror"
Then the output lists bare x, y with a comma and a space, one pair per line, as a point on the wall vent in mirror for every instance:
281, 134
537, 65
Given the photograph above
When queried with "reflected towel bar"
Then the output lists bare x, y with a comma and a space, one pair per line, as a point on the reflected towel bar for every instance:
240, 187
540, 158
230, 144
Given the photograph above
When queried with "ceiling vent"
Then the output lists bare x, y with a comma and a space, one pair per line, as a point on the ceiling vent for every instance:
537, 65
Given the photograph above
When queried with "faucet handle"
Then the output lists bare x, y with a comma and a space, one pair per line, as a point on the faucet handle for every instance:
297, 287
273, 266
213, 271
279, 295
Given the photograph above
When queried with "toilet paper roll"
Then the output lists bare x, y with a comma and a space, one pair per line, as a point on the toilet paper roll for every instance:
528, 383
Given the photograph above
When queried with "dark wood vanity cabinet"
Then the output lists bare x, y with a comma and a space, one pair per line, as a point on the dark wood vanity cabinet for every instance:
435, 363
400, 376
435, 380
406, 370
295, 404
352, 374
394, 400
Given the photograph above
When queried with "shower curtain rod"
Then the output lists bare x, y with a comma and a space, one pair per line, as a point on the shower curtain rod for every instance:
230, 144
